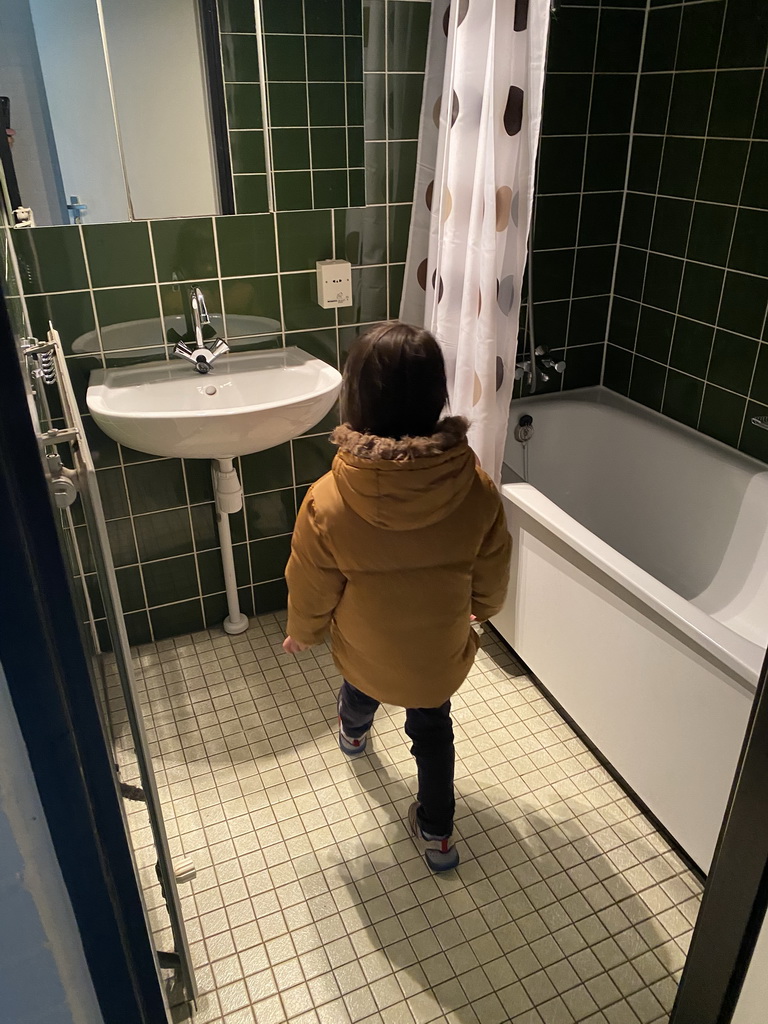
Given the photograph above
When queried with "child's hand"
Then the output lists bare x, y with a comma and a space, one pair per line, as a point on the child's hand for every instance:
473, 618
291, 646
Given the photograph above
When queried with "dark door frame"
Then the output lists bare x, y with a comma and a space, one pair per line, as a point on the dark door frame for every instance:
50, 686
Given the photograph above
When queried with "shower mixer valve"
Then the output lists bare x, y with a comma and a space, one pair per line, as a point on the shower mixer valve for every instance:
541, 368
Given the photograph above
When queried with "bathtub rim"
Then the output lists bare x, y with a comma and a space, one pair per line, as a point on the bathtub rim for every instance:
735, 652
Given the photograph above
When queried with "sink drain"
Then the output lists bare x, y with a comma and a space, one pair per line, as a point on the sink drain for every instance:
210, 390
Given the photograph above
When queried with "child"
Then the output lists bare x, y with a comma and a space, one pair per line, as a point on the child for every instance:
395, 550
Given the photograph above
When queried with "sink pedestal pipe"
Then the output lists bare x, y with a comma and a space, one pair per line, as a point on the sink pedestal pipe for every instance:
229, 498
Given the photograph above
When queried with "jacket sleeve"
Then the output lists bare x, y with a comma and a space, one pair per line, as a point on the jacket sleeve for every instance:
490, 577
315, 583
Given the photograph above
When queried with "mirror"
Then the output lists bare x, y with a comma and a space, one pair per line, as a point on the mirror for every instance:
114, 112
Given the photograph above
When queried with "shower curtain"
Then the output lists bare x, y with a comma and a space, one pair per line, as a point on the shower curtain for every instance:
478, 139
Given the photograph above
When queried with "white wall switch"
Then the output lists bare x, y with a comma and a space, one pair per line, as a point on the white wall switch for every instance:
334, 283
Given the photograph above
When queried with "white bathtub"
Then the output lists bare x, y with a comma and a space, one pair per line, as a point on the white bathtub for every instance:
639, 594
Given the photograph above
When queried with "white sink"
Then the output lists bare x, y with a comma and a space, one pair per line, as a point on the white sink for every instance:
145, 333
249, 401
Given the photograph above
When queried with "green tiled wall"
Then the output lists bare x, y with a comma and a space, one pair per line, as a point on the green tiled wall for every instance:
314, 72
160, 511
592, 70
688, 329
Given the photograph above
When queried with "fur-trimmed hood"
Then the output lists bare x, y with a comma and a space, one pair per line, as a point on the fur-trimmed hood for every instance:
406, 484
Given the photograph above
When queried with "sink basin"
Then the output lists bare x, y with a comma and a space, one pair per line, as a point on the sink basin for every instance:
145, 333
248, 402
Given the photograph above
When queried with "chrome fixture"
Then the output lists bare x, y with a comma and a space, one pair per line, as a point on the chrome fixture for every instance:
201, 355
760, 421
537, 371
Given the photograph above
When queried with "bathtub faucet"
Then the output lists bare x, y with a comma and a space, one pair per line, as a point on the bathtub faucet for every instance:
541, 369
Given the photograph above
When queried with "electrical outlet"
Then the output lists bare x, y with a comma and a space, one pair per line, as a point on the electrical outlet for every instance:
334, 283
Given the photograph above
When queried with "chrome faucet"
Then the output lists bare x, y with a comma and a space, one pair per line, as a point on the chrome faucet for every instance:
201, 355
538, 370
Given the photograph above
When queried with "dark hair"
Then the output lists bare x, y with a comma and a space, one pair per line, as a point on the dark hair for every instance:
394, 382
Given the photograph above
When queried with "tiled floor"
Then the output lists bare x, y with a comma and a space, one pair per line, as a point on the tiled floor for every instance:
311, 904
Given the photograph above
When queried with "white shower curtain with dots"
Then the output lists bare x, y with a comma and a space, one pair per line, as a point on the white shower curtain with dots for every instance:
478, 139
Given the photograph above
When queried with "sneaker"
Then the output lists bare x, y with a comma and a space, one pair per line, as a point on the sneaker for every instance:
439, 852
352, 747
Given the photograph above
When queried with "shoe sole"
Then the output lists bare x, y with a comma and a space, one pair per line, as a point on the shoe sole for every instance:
437, 868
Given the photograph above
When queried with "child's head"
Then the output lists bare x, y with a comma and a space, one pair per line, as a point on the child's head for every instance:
394, 382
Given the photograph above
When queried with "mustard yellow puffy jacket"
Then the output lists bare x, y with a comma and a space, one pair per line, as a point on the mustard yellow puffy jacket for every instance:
393, 549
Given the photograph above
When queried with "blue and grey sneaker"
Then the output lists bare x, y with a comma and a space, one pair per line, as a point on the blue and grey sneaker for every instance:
352, 747
439, 852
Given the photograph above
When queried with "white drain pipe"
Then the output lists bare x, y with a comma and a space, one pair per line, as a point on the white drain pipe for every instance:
229, 498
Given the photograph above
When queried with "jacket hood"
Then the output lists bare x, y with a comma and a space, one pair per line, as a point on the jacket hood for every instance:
406, 484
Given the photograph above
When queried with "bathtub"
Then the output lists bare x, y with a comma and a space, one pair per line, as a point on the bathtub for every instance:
639, 594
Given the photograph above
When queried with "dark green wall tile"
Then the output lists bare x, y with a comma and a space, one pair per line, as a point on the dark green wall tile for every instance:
689, 108
104, 450
361, 234
325, 59
318, 343
711, 230
197, 473
268, 470
251, 296
50, 259
184, 249
304, 238
118, 254
270, 597
396, 279
732, 362
153, 486
722, 171
353, 59
300, 308
618, 368
682, 398
269, 558
734, 103
271, 514
654, 334
745, 35
600, 213
551, 323
399, 227
606, 163
619, 38
671, 223
293, 190
613, 98
566, 104
572, 40
288, 104
699, 36
743, 305
700, 295
330, 189
247, 150
553, 272
561, 164
244, 106
246, 245
754, 191
653, 97
760, 383
172, 579
749, 251
662, 281
251, 193
312, 458
204, 526
374, 35
691, 346
176, 619
584, 367
680, 167
556, 221
404, 106
402, 170
661, 39
236, 16
376, 172
283, 15
326, 104
211, 574
721, 414
324, 17
645, 166
240, 58
290, 149
285, 59
407, 32
138, 628
647, 383
163, 534
594, 270
329, 148
112, 491
369, 296
122, 305
71, 314
121, 542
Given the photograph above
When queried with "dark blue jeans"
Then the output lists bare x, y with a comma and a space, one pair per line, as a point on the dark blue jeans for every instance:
430, 731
